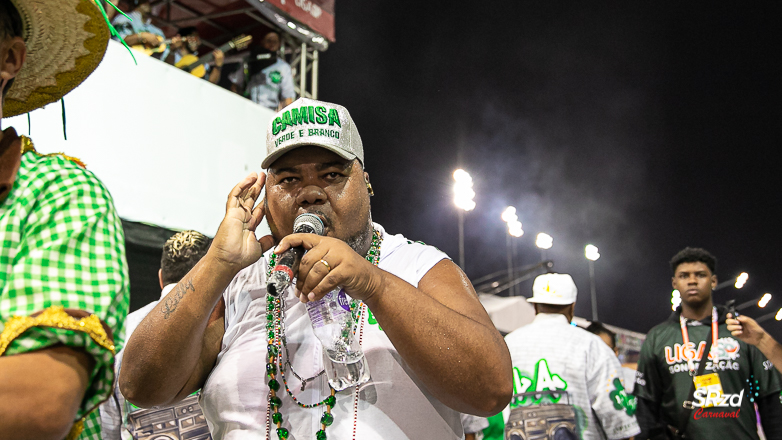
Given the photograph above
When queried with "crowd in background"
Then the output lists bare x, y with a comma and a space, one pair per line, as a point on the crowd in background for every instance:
263, 75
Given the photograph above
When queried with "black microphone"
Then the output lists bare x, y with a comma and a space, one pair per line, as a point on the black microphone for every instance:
288, 262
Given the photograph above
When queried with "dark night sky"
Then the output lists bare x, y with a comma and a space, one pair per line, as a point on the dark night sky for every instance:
641, 127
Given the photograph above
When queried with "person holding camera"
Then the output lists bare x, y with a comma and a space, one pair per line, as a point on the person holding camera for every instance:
749, 331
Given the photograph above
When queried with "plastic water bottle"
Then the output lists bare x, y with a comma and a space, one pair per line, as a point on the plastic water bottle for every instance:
343, 358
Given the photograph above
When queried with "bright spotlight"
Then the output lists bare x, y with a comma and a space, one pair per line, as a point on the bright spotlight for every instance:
591, 253
764, 300
462, 176
463, 193
779, 315
514, 229
741, 280
544, 241
509, 215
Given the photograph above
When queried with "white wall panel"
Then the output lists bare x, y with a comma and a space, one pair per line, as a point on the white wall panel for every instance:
169, 146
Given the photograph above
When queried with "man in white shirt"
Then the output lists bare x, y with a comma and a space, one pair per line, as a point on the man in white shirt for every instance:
609, 337
265, 78
121, 419
431, 348
565, 373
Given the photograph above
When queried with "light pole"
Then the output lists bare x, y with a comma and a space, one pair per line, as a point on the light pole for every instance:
591, 253
514, 230
544, 242
776, 315
463, 195
762, 303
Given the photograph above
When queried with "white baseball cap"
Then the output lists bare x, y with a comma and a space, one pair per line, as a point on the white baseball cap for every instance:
311, 122
554, 288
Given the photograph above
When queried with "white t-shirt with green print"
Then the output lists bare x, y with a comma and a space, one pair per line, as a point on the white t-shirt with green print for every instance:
393, 405
549, 354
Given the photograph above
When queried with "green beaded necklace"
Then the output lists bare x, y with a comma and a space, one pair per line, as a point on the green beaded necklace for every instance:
276, 332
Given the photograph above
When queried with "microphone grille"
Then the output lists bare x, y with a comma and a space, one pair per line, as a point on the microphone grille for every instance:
309, 224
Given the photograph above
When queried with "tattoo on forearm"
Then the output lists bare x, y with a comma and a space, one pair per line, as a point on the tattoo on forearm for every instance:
172, 301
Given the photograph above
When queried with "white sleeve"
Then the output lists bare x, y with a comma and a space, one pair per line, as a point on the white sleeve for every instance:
428, 257
237, 295
407, 259
110, 411
612, 404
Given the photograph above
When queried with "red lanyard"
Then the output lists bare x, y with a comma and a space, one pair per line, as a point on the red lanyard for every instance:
686, 338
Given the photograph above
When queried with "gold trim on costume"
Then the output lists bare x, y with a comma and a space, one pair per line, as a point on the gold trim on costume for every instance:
55, 316
27, 145
76, 429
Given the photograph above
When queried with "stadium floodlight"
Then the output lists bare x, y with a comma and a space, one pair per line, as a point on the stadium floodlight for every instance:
676, 299
779, 315
741, 280
591, 253
544, 241
514, 229
463, 196
462, 190
514, 225
764, 300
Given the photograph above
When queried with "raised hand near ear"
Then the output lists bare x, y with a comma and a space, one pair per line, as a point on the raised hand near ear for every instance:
235, 243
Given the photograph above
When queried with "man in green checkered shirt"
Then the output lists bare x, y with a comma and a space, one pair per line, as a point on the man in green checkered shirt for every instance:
63, 274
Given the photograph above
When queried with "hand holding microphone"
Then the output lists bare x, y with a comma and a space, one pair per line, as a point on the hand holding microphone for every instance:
288, 262
330, 263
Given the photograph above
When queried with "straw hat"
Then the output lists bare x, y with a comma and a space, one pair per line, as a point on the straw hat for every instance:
66, 40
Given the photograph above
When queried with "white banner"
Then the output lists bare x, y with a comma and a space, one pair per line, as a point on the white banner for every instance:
169, 146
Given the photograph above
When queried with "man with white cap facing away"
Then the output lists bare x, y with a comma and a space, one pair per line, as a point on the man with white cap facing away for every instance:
431, 348
566, 371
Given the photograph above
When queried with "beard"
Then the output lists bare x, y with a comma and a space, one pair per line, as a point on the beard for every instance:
360, 241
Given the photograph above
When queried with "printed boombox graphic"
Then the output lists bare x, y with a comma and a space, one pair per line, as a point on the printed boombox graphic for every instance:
548, 421
183, 421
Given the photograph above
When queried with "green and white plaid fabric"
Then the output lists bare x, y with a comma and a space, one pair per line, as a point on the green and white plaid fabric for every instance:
63, 244
92, 428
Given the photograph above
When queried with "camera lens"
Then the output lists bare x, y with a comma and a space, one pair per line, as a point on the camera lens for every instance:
515, 437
